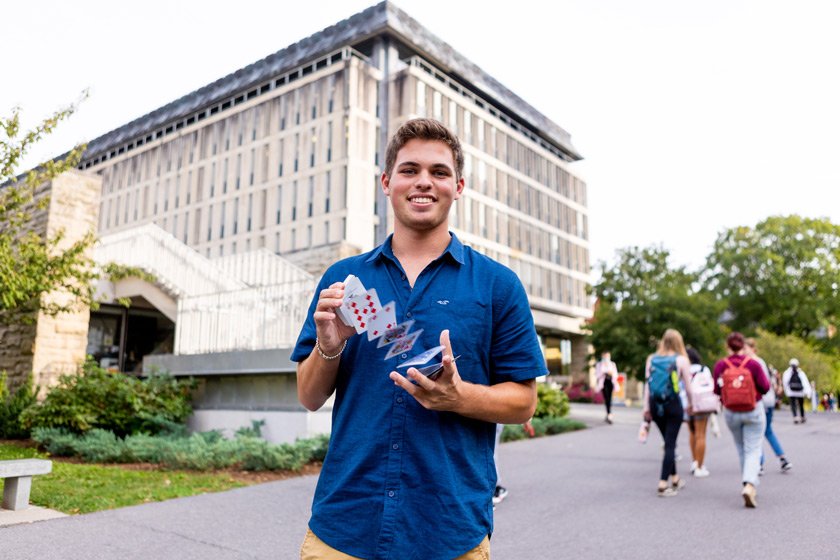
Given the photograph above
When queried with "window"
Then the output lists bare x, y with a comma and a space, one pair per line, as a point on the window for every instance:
238, 169
224, 175
279, 201
222, 221
329, 141
327, 188
294, 201
251, 170
310, 196
250, 210
235, 216
280, 160
209, 222
213, 179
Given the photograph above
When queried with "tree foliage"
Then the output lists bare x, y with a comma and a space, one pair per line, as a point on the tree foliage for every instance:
783, 275
639, 297
31, 263
819, 367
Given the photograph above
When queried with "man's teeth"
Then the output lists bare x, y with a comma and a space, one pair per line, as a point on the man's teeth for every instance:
421, 199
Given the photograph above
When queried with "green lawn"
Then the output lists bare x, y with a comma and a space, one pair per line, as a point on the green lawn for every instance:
76, 488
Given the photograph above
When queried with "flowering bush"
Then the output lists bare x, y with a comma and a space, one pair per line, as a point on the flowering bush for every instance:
579, 392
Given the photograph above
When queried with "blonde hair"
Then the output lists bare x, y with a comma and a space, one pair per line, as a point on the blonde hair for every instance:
672, 342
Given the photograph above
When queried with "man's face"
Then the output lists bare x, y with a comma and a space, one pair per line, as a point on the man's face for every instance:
422, 185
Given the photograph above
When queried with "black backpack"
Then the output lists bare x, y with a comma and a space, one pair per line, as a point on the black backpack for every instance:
795, 383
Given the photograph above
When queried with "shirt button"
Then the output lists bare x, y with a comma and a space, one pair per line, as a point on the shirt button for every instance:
391, 493
405, 356
399, 400
408, 314
395, 446
403, 276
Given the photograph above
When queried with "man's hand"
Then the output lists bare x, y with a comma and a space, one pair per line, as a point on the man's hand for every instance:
441, 394
329, 328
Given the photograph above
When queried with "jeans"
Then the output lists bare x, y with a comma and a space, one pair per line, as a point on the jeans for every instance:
748, 430
669, 423
771, 437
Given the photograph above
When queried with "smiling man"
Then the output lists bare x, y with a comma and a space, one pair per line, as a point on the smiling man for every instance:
409, 473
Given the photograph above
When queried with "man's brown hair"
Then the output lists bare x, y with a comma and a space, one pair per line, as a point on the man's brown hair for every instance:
424, 129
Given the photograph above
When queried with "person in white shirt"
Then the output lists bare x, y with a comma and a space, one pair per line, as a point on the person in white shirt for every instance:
797, 388
606, 375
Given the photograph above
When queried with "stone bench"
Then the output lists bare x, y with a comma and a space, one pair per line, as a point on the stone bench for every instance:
18, 475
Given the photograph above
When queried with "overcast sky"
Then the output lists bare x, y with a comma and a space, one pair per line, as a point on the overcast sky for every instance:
692, 116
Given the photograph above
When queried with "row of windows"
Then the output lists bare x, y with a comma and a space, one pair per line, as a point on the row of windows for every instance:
542, 282
291, 153
473, 217
297, 199
475, 131
276, 82
280, 240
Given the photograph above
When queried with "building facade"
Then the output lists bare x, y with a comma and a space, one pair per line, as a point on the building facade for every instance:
285, 156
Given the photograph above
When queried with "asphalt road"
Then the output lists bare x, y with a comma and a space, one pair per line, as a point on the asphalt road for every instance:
588, 494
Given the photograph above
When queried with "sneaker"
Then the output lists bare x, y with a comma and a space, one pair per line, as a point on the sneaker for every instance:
796, 420
666, 492
609, 418
693, 466
786, 465
679, 484
802, 421
499, 494
701, 472
761, 470
748, 494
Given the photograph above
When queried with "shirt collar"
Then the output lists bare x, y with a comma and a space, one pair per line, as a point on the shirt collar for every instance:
455, 250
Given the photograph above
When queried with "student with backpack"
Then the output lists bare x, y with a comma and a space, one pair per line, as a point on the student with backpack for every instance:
705, 402
662, 405
769, 400
740, 381
797, 388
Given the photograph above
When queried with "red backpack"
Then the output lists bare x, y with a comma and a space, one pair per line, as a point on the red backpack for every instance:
737, 387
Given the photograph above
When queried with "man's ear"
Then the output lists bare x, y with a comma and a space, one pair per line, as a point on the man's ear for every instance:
459, 188
384, 180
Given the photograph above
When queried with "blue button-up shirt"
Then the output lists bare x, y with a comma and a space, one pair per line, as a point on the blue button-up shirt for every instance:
400, 481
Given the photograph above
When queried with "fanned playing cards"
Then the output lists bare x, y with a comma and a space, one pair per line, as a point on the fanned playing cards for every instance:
362, 310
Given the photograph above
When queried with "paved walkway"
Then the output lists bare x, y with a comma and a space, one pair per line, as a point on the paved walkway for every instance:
584, 495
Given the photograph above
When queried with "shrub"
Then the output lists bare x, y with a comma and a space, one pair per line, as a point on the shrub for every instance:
542, 427
200, 451
583, 394
12, 405
97, 398
551, 402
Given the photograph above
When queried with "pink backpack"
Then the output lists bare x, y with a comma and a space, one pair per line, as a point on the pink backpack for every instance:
703, 397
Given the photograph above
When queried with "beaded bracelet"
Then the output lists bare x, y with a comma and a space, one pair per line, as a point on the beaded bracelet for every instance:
324, 356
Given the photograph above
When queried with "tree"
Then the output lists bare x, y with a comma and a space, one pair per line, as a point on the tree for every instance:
778, 350
641, 296
32, 264
782, 276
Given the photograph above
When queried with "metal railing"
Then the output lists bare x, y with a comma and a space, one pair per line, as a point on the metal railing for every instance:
251, 319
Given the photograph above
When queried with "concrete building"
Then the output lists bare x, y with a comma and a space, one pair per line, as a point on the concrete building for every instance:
282, 159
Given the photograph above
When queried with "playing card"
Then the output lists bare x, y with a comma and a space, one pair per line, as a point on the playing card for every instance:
403, 345
422, 358
362, 309
433, 371
395, 334
353, 288
382, 321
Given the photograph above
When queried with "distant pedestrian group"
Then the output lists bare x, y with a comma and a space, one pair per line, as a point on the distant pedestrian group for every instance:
679, 387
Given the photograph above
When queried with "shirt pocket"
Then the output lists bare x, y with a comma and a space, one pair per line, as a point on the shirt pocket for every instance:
470, 328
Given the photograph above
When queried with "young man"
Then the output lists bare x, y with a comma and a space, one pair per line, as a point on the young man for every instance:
409, 472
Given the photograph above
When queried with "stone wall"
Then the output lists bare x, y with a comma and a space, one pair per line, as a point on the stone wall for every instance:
54, 345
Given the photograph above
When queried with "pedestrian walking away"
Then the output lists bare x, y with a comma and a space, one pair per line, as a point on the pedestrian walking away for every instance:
769, 402
740, 381
662, 405
706, 402
409, 472
500, 493
797, 388
606, 376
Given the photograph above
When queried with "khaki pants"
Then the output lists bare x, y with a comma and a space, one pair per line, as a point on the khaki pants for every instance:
314, 548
